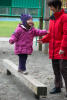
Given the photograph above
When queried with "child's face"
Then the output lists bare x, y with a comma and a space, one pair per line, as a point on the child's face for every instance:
30, 22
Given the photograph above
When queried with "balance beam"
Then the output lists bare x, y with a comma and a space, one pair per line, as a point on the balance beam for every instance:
38, 88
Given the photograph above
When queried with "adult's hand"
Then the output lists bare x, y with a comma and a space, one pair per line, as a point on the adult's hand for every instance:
61, 52
39, 41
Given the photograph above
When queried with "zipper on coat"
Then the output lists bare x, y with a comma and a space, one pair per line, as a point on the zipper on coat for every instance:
53, 39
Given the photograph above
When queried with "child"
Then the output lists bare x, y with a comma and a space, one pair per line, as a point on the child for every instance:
23, 39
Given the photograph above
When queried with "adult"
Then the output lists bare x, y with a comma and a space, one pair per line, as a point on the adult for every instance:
57, 39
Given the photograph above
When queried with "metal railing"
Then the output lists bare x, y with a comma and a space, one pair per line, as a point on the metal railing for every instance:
16, 7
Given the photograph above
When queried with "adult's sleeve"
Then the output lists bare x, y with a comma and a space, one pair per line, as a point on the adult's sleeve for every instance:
64, 38
47, 37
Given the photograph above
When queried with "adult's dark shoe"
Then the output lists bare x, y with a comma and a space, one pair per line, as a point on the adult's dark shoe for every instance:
55, 90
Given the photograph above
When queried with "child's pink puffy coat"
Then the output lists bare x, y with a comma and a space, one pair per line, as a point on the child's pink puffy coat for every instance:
23, 39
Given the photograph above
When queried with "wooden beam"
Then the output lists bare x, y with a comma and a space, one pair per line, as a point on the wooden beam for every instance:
38, 88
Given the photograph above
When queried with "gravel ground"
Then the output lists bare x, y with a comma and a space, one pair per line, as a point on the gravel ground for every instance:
38, 65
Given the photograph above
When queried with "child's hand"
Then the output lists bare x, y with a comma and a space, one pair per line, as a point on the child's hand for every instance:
11, 41
39, 41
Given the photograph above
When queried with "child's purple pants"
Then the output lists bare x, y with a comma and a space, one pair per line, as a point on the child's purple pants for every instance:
22, 61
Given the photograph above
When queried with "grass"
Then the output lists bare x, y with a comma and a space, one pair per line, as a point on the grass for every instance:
8, 27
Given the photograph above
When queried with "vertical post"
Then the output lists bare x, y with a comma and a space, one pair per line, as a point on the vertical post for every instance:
10, 11
66, 4
40, 26
41, 22
26, 10
46, 24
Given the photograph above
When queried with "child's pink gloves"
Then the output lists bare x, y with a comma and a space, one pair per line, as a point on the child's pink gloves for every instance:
11, 41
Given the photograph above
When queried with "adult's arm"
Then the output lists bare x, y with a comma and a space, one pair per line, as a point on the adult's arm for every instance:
47, 37
64, 38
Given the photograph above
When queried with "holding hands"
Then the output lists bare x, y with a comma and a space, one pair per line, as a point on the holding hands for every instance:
40, 41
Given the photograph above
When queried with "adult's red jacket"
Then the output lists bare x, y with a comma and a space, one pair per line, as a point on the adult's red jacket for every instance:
57, 36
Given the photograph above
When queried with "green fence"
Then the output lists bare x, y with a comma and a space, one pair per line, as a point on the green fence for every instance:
16, 7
